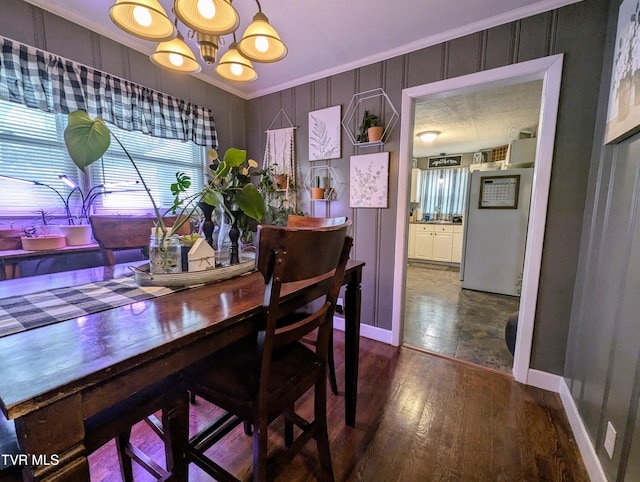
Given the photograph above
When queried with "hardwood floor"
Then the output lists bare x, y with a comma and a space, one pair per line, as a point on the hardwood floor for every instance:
420, 418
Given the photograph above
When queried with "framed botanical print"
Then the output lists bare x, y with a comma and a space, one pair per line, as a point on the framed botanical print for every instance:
324, 134
369, 181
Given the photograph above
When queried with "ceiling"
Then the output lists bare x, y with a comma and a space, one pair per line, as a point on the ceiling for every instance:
478, 120
332, 36
325, 37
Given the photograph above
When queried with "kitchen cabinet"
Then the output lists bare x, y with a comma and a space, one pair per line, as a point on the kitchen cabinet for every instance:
456, 249
435, 242
415, 185
412, 241
424, 241
442, 243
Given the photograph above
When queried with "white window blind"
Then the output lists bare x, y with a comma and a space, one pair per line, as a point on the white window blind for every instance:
32, 148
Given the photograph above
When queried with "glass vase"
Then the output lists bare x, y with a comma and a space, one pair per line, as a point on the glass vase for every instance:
165, 255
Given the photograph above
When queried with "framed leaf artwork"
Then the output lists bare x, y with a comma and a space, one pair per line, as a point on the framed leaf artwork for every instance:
369, 181
324, 134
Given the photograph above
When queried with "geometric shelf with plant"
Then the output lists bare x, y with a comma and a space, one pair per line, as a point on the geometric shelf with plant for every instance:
326, 178
362, 112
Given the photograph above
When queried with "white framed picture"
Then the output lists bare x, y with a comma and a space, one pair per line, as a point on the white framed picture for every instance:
324, 134
369, 181
623, 113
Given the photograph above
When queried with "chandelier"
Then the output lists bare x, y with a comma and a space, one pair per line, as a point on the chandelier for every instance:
208, 21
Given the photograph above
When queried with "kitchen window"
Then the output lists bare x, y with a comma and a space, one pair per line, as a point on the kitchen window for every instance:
443, 191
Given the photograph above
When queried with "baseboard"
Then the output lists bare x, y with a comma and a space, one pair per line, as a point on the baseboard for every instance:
368, 331
587, 450
544, 380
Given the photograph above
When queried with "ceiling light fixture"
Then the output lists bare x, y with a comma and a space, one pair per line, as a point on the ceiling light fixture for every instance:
145, 19
208, 21
260, 41
428, 136
176, 55
233, 66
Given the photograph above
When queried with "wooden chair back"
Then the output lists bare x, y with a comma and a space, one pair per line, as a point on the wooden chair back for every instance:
296, 221
286, 255
115, 233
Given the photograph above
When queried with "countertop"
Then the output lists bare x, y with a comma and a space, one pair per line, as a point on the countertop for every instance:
436, 222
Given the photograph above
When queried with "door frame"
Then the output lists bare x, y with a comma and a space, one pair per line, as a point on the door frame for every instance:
547, 69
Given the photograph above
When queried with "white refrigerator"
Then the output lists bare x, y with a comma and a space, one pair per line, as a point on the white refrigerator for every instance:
495, 230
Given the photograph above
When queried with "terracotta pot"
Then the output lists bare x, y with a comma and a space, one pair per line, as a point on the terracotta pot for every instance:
42, 243
317, 193
10, 238
280, 182
375, 133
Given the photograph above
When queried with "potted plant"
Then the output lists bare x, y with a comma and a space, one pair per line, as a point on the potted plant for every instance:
370, 130
276, 190
317, 192
40, 236
87, 140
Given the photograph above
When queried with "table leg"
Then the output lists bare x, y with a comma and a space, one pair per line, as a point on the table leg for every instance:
352, 344
53, 440
175, 421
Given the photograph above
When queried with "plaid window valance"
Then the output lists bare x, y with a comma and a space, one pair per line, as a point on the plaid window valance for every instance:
42, 80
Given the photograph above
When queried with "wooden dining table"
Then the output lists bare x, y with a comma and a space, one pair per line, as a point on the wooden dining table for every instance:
54, 377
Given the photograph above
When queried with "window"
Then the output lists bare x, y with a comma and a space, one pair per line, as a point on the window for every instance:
32, 148
443, 191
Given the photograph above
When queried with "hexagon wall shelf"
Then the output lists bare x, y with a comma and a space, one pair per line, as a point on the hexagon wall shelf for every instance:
371, 100
324, 172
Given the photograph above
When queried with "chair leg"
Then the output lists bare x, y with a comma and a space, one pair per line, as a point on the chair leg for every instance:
248, 429
288, 428
260, 451
332, 366
322, 435
126, 467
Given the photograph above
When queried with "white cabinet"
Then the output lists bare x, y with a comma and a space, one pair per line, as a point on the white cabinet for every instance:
456, 250
412, 241
415, 185
424, 241
442, 243
435, 242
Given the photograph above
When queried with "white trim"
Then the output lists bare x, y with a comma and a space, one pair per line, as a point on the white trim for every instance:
548, 69
580, 433
368, 331
544, 380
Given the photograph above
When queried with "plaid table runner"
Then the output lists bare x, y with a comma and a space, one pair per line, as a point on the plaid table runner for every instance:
20, 313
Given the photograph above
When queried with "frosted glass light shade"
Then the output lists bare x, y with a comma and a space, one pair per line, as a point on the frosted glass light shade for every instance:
233, 66
428, 136
225, 18
260, 41
176, 55
145, 19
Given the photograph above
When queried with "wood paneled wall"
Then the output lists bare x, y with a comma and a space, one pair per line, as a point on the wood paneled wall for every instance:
534, 37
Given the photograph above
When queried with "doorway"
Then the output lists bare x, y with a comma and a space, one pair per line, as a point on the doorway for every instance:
548, 70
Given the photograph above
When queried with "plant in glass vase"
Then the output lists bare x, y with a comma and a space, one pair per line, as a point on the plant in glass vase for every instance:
230, 190
87, 140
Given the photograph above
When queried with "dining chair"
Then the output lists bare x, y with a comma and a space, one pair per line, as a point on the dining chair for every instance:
117, 233
262, 376
167, 396
295, 220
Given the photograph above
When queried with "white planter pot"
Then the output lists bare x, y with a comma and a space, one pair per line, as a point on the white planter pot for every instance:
77, 235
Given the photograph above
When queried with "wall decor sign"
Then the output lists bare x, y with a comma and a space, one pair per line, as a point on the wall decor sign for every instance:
499, 192
445, 161
324, 134
623, 113
369, 180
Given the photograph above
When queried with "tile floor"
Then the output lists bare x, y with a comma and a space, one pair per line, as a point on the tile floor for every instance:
443, 318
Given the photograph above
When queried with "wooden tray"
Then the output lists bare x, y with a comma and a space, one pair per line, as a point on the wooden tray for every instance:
144, 278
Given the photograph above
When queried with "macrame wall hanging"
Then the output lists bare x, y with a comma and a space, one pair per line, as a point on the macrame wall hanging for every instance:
280, 151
